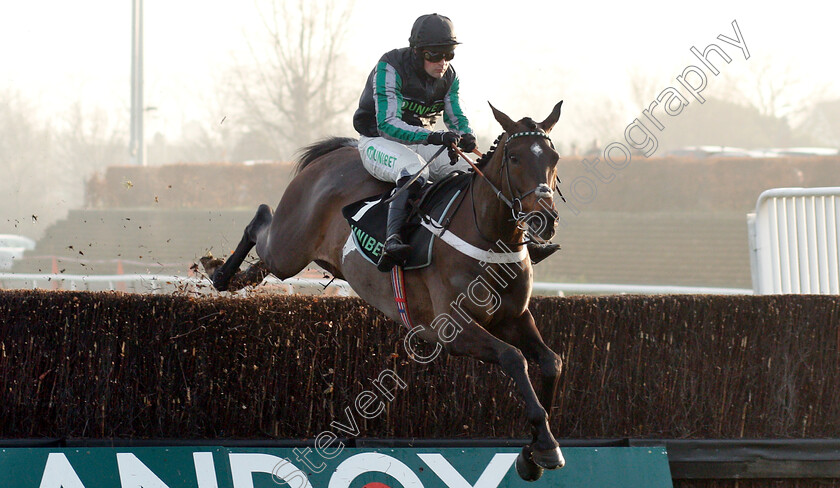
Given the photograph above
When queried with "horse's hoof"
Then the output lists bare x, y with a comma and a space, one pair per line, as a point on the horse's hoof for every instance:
549, 458
525, 468
219, 283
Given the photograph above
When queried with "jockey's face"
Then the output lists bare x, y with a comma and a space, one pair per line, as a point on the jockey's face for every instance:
436, 70
436, 63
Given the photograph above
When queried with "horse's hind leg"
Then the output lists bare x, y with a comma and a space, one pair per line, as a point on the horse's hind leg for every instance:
222, 275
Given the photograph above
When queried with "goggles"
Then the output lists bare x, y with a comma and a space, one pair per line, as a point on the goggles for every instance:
434, 57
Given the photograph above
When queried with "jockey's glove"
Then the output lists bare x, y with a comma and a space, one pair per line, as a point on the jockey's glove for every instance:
467, 143
443, 138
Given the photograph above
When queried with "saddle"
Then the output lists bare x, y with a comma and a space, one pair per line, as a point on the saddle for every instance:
368, 219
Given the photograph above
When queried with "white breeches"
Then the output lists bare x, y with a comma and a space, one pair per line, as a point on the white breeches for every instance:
389, 160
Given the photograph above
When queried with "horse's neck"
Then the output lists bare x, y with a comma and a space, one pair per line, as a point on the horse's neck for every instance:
494, 217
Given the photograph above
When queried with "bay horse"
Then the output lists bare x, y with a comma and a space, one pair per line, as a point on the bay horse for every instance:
515, 183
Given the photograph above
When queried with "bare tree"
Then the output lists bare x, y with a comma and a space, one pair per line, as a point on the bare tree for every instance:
211, 137
643, 88
787, 103
604, 119
297, 92
775, 90
26, 155
87, 139
90, 138
46, 163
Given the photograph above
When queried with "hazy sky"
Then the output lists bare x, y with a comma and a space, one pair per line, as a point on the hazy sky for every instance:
519, 55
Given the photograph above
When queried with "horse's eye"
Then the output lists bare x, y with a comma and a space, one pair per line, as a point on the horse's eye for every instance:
513, 159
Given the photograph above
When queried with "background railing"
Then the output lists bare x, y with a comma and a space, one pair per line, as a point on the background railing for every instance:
794, 235
159, 284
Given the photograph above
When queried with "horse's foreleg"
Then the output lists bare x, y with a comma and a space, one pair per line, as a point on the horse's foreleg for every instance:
550, 368
222, 275
527, 338
475, 341
525, 335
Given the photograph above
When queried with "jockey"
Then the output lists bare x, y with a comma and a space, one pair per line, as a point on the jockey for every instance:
404, 95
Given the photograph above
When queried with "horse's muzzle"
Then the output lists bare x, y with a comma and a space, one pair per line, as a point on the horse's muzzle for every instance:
542, 223
544, 191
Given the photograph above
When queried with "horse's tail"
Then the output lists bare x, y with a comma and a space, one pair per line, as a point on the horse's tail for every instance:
315, 150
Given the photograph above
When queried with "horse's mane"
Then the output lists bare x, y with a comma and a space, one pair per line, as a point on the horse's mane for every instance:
527, 121
484, 159
310, 153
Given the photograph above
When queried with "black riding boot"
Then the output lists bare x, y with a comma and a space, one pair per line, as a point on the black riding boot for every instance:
538, 252
395, 253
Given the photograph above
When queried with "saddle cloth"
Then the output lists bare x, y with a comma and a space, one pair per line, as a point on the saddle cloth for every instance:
368, 219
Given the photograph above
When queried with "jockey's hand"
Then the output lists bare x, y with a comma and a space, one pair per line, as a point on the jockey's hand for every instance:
453, 156
443, 138
467, 143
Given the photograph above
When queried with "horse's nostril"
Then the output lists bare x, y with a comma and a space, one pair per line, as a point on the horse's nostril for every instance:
543, 191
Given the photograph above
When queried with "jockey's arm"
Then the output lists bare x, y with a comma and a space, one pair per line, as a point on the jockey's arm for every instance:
453, 114
389, 101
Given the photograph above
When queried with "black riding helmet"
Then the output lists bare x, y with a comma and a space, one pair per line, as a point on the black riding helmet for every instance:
433, 30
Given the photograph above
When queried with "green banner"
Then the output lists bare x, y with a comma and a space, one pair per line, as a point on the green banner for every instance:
329, 466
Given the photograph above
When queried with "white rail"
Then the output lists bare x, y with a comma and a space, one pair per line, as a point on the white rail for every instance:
542, 288
158, 284
155, 284
794, 236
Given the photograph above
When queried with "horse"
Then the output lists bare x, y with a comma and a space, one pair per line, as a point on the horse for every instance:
511, 190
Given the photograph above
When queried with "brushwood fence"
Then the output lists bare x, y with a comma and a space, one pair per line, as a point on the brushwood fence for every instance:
111, 365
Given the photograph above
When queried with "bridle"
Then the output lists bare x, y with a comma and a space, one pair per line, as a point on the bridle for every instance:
542, 190
515, 202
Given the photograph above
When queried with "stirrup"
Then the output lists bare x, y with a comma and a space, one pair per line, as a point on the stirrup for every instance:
397, 255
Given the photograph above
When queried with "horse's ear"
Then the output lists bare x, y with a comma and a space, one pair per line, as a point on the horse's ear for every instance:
549, 121
507, 124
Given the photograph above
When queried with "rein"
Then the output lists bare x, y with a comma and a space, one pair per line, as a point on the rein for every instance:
498, 192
